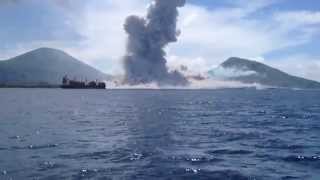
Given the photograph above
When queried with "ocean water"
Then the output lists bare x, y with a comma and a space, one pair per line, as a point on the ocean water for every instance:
235, 134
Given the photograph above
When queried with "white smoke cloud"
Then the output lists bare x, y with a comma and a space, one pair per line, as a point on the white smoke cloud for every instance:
225, 73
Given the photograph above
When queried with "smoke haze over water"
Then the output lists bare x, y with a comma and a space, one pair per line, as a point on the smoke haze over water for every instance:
145, 60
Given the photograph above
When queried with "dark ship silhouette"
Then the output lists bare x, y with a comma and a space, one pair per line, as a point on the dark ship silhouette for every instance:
74, 84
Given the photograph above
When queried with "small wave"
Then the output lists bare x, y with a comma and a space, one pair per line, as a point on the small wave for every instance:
84, 122
195, 159
228, 136
193, 173
93, 155
312, 161
3, 149
289, 178
303, 159
15, 137
113, 156
201, 115
278, 144
19, 138
230, 152
309, 161
267, 157
136, 156
4, 172
34, 147
86, 174
48, 165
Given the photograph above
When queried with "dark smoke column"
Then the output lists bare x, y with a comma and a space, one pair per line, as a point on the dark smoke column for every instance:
145, 57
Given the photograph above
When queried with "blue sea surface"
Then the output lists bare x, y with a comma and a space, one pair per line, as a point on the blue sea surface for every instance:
234, 134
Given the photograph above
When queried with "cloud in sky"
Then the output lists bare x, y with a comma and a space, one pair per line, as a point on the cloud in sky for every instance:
93, 31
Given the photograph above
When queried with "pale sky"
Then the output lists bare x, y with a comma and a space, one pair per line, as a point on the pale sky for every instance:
281, 33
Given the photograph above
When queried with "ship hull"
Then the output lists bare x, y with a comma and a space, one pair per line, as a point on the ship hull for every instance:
72, 87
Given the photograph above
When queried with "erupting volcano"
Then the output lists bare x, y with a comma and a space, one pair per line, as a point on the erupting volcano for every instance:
145, 60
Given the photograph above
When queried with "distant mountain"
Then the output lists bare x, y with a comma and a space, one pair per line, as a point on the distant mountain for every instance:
248, 71
45, 66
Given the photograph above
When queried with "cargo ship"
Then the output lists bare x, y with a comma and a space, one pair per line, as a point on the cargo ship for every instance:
74, 84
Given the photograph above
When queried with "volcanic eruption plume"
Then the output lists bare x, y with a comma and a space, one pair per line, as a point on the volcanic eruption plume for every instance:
145, 60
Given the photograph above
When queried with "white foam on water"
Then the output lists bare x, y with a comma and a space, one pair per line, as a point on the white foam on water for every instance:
194, 84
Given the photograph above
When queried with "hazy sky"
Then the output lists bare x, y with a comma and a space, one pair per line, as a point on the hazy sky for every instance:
281, 33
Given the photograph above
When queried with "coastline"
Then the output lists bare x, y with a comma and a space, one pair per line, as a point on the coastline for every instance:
30, 86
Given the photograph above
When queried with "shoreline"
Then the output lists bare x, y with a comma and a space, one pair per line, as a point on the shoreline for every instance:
30, 86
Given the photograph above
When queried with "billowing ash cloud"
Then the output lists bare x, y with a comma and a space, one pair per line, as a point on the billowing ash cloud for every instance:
145, 58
